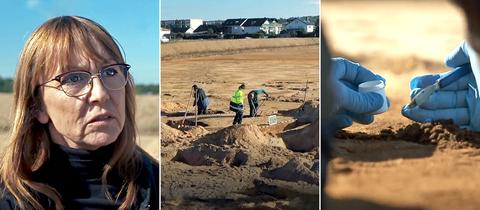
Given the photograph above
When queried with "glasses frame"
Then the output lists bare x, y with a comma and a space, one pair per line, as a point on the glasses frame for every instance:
98, 75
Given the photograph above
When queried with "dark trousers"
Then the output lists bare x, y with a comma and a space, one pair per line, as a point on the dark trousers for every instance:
253, 103
238, 109
238, 117
202, 109
253, 109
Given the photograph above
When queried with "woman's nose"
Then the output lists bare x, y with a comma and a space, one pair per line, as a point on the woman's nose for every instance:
98, 92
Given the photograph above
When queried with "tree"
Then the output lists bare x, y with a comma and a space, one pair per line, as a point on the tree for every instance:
6, 85
260, 34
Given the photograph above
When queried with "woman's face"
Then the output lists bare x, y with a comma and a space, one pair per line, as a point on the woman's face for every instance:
88, 121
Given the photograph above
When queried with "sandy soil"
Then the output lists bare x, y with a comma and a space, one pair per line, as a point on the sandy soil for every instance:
252, 166
394, 163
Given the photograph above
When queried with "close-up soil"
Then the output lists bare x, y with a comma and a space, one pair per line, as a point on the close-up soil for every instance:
394, 162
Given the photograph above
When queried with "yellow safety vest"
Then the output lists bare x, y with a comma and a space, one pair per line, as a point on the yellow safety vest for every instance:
237, 97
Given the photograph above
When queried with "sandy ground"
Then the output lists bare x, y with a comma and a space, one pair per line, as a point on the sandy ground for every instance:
253, 166
398, 40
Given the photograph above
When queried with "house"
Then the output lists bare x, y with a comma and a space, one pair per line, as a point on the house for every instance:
209, 29
184, 25
164, 32
213, 22
298, 24
243, 26
234, 26
273, 27
184, 30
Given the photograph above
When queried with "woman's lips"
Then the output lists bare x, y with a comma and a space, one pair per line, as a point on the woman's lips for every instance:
101, 120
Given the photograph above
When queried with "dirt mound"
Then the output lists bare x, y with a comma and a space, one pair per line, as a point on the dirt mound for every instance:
168, 106
308, 112
209, 154
444, 134
295, 170
195, 131
206, 154
245, 136
235, 145
303, 140
169, 134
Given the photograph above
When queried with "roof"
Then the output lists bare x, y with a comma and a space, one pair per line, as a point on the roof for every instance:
234, 22
307, 22
204, 28
255, 22
247, 21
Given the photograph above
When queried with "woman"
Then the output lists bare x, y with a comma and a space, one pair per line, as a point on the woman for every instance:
72, 144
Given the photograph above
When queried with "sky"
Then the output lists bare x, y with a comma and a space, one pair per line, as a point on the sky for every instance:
133, 23
225, 9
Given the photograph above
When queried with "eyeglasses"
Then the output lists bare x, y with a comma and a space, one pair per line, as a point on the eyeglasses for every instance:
78, 83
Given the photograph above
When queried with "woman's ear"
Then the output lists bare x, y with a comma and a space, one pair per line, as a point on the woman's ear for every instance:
40, 111
42, 116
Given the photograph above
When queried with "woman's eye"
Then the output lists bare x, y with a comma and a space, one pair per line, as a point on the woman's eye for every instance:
74, 78
109, 72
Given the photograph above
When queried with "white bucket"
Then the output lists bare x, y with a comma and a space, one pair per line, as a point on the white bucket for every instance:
377, 86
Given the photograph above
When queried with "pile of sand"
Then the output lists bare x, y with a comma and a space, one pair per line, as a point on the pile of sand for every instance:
444, 134
173, 138
206, 154
169, 134
244, 136
308, 112
295, 170
195, 131
169, 106
303, 140
235, 145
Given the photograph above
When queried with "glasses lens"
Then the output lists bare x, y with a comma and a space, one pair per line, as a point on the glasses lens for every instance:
75, 83
114, 77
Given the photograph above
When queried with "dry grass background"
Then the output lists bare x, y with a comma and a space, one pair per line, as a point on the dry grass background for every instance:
147, 122
209, 47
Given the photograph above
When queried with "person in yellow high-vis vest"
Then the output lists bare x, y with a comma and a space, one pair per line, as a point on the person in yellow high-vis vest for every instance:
236, 104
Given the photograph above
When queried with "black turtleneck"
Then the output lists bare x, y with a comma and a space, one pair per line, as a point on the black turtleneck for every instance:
76, 175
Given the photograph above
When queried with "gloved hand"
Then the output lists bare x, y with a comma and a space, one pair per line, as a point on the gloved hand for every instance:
458, 101
352, 105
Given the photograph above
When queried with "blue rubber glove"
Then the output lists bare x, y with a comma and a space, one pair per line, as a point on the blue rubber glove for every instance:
458, 101
352, 105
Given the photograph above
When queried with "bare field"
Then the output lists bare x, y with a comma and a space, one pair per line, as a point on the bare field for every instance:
147, 122
209, 47
398, 40
216, 165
